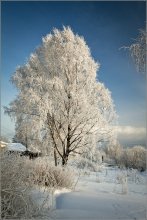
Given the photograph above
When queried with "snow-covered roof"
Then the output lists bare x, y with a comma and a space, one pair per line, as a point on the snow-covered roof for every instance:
16, 147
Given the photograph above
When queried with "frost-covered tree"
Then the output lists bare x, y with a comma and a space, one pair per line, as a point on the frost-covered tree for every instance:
134, 157
59, 95
27, 130
114, 150
138, 51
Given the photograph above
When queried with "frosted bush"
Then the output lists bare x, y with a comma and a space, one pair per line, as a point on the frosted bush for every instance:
123, 180
125, 185
134, 176
19, 176
114, 152
134, 158
83, 163
44, 173
15, 199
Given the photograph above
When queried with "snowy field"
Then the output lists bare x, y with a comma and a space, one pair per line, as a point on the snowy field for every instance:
108, 194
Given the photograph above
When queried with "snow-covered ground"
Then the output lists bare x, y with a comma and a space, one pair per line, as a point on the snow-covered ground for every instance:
108, 194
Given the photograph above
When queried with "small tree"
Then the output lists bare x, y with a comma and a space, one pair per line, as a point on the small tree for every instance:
59, 94
114, 151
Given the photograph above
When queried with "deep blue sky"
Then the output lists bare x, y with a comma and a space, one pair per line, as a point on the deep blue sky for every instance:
106, 27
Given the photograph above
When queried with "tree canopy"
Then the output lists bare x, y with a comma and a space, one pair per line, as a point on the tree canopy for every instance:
59, 99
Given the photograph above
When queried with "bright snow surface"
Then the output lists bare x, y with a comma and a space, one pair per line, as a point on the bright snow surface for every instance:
97, 196
101, 196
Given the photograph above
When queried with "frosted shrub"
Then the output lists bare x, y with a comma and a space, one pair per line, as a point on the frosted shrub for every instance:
134, 176
95, 157
114, 152
19, 175
45, 174
134, 158
15, 199
122, 179
139, 157
125, 185
124, 159
86, 164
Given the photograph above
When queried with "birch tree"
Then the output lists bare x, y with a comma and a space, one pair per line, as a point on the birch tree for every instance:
59, 93
138, 51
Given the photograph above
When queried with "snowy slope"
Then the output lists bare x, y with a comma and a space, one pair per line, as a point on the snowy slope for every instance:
100, 196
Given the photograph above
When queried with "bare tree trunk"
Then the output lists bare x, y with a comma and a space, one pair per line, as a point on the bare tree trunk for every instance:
64, 160
55, 158
26, 140
67, 151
